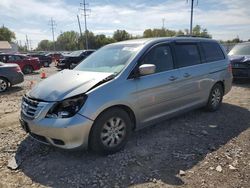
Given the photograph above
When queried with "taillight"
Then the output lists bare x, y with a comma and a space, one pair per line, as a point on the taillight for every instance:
17, 69
229, 68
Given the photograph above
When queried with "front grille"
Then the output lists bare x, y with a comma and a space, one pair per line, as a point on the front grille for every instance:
240, 65
31, 107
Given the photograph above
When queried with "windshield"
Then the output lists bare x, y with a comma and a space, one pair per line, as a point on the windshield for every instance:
111, 58
76, 53
240, 49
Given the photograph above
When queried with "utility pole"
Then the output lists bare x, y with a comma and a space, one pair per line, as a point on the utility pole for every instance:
163, 23
52, 24
80, 28
85, 10
27, 43
191, 16
30, 44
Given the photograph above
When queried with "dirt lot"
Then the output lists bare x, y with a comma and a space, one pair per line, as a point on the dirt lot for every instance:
198, 149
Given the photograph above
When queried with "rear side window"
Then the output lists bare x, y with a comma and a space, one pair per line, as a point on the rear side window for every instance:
212, 51
187, 55
161, 57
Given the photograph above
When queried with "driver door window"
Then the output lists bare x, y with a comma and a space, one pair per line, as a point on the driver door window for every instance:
161, 57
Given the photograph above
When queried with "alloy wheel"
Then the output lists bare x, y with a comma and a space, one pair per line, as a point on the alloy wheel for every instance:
216, 97
113, 132
3, 85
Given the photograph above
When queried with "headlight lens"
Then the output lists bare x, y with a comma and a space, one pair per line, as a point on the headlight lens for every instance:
67, 108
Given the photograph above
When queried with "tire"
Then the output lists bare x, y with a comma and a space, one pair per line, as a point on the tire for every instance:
27, 69
4, 84
108, 139
215, 98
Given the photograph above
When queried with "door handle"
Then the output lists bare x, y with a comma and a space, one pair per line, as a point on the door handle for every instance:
186, 75
172, 78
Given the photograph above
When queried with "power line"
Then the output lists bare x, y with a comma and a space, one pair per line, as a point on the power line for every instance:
52, 25
83, 6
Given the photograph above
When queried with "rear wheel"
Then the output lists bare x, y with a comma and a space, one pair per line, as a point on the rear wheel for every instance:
215, 98
4, 84
27, 69
110, 131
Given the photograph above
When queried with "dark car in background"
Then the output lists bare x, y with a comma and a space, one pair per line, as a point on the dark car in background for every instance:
73, 59
45, 60
10, 74
26, 63
55, 56
240, 60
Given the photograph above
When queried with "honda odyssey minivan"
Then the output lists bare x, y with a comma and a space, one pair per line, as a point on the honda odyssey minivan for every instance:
123, 87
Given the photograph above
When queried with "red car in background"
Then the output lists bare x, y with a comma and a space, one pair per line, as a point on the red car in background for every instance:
26, 63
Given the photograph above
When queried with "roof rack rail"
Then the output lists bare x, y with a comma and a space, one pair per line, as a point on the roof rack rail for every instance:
192, 36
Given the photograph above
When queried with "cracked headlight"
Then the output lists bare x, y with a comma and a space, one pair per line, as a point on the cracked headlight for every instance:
67, 108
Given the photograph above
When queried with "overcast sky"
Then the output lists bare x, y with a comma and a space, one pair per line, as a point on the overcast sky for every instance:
224, 19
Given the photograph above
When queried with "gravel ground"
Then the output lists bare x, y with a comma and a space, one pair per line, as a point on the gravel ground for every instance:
197, 149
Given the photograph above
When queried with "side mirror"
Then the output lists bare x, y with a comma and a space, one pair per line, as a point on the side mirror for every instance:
147, 69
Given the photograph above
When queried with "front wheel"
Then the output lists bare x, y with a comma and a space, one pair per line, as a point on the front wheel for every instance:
215, 98
110, 131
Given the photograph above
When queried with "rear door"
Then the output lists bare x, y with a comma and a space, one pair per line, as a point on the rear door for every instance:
158, 93
193, 74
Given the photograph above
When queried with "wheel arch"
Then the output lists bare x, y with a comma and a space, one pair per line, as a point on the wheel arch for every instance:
127, 109
222, 84
6, 79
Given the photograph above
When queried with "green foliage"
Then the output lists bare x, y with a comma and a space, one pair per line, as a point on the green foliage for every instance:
22, 48
235, 40
158, 33
6, 34
67, 41
45, 45
72, 40
201, 32
120, 35
95, 41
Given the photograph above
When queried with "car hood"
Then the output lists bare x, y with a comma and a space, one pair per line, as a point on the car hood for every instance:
65, 84
239, 58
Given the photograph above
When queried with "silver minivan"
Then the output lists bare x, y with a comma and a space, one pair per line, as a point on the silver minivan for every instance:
124, 87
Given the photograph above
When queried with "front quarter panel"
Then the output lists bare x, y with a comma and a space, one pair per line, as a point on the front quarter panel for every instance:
112, 93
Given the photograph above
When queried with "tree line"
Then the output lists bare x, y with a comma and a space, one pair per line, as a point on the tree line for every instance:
72, 40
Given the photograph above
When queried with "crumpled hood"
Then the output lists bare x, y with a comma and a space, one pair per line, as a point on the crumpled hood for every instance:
65, 84
239, 58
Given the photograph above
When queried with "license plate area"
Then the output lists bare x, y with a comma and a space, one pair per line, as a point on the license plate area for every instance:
25, 126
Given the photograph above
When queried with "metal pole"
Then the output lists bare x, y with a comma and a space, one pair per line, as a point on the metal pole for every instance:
52, 29
80, 28
27, 43
191, 19
85, 21
163, 23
